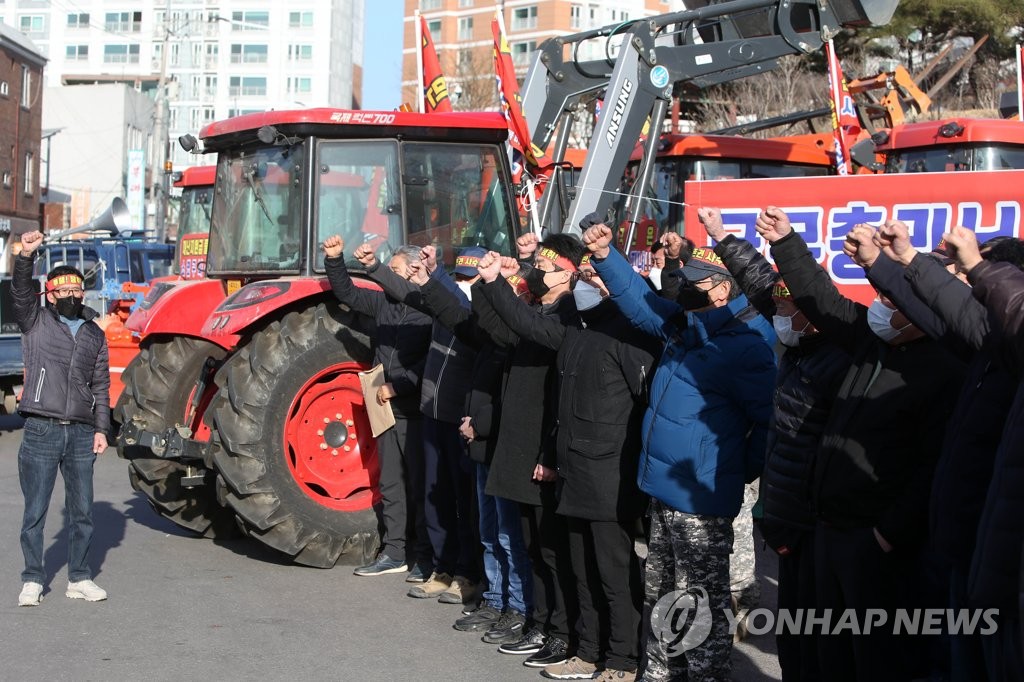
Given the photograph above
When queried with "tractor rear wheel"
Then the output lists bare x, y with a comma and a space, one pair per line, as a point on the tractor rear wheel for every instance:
159, 384
292, 442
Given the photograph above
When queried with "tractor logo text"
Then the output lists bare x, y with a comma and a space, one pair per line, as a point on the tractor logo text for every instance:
620, 109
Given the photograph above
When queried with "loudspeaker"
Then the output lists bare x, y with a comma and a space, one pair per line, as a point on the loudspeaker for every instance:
114, 220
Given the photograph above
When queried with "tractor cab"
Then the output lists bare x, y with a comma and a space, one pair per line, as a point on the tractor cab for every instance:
960, 144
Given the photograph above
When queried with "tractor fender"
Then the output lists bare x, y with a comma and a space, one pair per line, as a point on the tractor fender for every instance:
179, 308
257, 301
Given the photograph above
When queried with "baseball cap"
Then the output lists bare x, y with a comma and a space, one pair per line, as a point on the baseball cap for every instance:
702, 264
941, 254
466, 262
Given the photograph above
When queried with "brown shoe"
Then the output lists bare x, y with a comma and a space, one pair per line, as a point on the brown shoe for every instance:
573, 669
461, 591
438, 583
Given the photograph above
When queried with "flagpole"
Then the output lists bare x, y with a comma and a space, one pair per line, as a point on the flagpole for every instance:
419, 62
1020, 82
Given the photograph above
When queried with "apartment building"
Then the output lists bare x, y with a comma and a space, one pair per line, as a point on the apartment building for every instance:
218, 58
461, 30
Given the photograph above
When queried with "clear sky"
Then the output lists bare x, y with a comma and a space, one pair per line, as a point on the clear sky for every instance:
382, 56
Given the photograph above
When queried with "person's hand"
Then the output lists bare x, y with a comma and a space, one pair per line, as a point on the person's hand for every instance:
333, 246
489, 266
428, 254
711, 219
99, 443
544, 474
418, 274
962, 245
597, 238
673, 244
894, 240
773, 224
30, 241
860, 245
385, 393
882, 542
364, 254
466, 429
509, 266
527, 244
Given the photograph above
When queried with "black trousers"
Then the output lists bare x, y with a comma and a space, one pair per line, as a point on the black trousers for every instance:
610, 590
546, 536
798, 653
400, 453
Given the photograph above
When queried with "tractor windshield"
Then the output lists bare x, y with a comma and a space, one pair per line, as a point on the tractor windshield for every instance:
195, 210
955, 158
257, 212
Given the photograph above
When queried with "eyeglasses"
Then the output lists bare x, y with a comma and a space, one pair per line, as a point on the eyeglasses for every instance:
64, 293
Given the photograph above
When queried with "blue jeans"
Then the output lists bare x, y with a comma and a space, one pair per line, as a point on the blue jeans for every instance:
506, 563
47, 446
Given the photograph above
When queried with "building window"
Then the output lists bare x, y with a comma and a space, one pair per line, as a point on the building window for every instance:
32, 23
521, 52
300, 53
248, 54
29, 175
120, 54
524, 18
427, 5
79, 20
76, 53
465, 3
26, 87
123, 22
250, 21
210, 85
247, 86
7, 179
435, 29
466, 28
576, 16
5, 89
300, 85
300, 20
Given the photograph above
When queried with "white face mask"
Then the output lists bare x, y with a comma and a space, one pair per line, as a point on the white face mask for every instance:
784, 328
586, 296
880, 321
655, 276
467, 289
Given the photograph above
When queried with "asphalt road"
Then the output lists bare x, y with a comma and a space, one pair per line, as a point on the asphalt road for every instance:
182, 607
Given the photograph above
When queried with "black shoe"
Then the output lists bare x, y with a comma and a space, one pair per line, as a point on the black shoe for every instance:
531, 643
382, 566
420, 573
507, 629
481, 619
553, 652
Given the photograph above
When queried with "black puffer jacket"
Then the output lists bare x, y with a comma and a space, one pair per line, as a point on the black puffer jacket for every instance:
603, 369
401, 341
448, 372
808, 378
995, 568
66, 377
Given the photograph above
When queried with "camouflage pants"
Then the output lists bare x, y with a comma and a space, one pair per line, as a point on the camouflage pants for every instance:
687, 554
746, 591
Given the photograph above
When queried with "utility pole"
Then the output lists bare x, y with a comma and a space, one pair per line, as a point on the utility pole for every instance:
158, 171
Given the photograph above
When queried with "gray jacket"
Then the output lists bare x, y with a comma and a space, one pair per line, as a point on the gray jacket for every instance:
66, 377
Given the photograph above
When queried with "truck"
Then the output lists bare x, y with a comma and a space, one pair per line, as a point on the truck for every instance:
245, 400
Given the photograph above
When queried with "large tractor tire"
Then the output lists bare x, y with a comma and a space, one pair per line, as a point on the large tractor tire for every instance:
292, 441
159, 384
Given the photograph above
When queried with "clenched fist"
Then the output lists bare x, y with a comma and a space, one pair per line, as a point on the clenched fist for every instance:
333, 246
364, 254
894, 240
773, 224
860, 245
527, 244
489, 266
962, 245
597, 238
711, 219
30, 241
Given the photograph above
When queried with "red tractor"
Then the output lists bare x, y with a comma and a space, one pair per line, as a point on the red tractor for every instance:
246, 403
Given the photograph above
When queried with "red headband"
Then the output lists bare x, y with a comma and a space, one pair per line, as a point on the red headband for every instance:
558, 259
60, 280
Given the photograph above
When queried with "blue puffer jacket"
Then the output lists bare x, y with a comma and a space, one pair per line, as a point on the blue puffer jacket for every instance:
705, 431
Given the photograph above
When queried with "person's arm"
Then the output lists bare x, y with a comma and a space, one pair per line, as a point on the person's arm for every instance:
950, 299
101, 389
361, 300
647, 310
527, 323
637, 365
753, 385
394, 286
752, 271
1000, 288
489, 320
25, 292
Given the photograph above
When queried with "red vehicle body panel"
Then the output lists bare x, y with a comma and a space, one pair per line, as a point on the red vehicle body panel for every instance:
197, 176
179, 308
975, 130
327, 116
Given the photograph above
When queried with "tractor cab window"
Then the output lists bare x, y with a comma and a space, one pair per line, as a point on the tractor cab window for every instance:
257, 212
456, 197
999, 157
195, 210
930, 160
357, 196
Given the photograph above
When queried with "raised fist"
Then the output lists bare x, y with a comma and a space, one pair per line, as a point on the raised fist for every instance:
597, 238
333, 246
673, 244
30, 241
860, 245
773, 224
418, 274
711, 219
962, 244
428, 254
526, 244
509, 266
364, 254
489, 266
894, 240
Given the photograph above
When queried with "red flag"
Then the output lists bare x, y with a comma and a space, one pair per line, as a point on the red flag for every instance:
508, 91
845, 124
435, 90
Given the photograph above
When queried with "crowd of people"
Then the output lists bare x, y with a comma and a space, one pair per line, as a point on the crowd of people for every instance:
582, 452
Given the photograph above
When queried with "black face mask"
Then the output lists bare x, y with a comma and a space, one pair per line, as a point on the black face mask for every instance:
69, 307
535, 283
692, 298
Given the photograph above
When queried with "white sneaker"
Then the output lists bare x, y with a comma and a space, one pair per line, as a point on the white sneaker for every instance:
31, 594
87, 590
